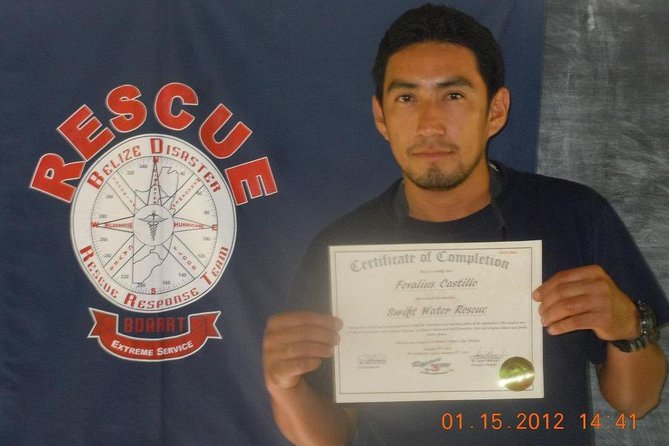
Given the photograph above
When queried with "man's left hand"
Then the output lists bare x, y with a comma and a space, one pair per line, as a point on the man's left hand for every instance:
587, 298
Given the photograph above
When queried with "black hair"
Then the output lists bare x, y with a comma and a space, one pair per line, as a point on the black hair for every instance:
432, 23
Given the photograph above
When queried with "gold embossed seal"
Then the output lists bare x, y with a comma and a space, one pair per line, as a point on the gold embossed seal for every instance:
516, 374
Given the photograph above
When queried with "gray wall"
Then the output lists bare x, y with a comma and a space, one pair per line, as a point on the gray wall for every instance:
605, 123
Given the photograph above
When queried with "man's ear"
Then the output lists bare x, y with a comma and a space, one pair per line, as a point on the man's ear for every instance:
379, 119
498, 112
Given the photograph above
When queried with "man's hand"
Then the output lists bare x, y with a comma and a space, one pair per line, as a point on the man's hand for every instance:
587, 298
295, 344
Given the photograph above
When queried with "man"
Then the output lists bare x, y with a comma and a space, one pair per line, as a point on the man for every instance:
439, 98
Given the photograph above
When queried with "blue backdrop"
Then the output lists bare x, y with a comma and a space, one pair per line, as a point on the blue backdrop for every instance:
80, 82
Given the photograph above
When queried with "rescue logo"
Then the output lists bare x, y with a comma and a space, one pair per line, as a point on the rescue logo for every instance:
153, 221
153, 224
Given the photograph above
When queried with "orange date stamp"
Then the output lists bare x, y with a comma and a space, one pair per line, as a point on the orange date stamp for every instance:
533, 421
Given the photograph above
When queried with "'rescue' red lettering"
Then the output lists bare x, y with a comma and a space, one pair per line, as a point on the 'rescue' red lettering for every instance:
87, 135
52, 173
82, 131
165, 102
232, 141
256, 175
130, 112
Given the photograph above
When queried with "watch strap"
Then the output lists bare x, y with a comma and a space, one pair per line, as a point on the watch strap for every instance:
649, 331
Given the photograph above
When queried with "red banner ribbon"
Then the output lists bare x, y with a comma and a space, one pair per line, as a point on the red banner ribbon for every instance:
202, 326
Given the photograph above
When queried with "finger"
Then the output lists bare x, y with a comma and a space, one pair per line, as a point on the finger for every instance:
564, 291
580, 274
595, 295
299, 318
581, 321
284, 364
300, 334
299, 350
287, 374
549, 285
565, 308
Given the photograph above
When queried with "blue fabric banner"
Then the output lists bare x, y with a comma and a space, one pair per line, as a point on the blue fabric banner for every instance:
165, 165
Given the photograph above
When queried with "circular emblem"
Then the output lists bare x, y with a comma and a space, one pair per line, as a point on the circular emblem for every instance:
516, 374
153, 224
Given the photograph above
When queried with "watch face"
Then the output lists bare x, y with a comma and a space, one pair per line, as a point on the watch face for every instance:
153, 224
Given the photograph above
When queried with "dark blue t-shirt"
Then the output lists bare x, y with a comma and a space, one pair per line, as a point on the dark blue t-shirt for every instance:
577, 227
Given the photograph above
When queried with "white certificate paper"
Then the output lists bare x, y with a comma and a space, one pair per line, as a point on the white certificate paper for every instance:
437, 321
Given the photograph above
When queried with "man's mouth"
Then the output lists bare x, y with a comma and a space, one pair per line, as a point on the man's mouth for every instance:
433, 149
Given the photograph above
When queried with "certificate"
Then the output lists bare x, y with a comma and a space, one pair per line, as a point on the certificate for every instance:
437, 321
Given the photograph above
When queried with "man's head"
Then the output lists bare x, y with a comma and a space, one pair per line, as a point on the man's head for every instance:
440, 98
430, 23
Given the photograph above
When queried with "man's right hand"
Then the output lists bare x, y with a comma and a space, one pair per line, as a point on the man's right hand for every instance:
295, 343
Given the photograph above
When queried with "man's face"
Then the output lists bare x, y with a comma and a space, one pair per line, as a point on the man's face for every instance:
436, 114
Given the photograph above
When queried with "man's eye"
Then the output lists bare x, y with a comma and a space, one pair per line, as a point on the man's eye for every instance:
404, 98
454, 96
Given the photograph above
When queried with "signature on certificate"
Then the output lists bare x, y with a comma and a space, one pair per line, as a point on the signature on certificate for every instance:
487, 358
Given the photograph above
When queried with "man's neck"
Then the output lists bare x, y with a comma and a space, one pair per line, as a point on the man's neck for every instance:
467, 198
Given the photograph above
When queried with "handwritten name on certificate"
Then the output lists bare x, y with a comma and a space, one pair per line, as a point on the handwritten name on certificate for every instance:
437, 321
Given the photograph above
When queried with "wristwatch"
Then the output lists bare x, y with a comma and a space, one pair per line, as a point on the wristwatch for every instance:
649, 331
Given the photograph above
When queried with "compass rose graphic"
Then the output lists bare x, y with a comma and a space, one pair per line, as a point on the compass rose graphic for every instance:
160, 224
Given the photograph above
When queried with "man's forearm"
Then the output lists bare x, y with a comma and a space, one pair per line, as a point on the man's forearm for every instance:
306, 417
632, 382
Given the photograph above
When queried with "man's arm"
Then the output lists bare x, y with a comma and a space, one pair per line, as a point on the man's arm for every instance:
587, 298
295, 344
632, 382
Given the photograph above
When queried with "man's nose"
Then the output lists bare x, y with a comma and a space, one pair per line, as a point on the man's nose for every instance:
431, 119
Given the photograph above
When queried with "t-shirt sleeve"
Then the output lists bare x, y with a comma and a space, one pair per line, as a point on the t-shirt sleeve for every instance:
616, 252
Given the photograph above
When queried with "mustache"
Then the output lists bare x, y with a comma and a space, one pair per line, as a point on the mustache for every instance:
433, 144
